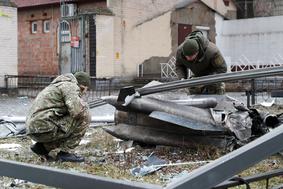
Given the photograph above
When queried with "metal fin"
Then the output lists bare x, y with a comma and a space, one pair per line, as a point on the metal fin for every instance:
184, 122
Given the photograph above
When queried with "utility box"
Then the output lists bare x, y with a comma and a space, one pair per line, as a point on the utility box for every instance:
68, 10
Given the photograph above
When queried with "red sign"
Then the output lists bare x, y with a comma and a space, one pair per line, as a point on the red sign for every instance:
75, 41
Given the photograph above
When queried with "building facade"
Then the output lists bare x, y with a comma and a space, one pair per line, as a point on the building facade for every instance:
50, 38
149, 32
109, 38
8, 39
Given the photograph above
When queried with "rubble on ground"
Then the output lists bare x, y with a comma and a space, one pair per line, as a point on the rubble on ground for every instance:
108, 156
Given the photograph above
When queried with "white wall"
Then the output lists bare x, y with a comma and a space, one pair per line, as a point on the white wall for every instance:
219, 20
104, 46
141, 30
152, 38
252, 41
8, 42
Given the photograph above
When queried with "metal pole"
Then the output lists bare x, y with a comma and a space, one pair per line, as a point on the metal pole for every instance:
205, 80
246, 9
248, 93
63, 178
94, 119
227, 166
210, 79
249, 179
253, 91
6, 82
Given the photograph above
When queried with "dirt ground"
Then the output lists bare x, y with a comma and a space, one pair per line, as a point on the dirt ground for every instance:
110, 157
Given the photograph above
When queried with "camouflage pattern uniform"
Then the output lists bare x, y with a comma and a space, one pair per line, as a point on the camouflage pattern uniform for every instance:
59, 117
208, 62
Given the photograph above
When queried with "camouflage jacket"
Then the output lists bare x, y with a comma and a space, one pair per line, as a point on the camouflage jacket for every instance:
60, 99
209, 60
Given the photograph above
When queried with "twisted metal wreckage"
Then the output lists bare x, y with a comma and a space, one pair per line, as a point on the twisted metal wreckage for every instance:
173, 120
179, 120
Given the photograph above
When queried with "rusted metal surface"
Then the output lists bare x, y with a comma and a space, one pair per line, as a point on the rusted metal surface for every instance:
148, 105
170, 137
161, 120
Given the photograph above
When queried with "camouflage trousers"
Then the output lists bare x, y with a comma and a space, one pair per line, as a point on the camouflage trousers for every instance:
60, 139
218, 88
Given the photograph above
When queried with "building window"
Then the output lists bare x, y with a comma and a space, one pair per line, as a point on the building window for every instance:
46, 26
65, 33
34, 27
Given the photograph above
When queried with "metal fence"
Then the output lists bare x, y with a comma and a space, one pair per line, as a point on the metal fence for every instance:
31, 85
23, 85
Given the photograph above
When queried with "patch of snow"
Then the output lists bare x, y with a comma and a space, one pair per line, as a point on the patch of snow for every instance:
84, 141
268, 104
10, 147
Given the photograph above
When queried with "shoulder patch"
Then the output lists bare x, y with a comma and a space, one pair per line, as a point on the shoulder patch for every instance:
218, 60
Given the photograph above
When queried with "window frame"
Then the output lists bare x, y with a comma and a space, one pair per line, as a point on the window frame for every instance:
65, 31
45, 26
34, 27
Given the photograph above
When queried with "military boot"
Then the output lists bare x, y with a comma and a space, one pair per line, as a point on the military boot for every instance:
39, 149
65, 156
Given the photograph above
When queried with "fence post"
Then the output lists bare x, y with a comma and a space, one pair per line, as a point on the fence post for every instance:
6, 82
253, 91
109, 87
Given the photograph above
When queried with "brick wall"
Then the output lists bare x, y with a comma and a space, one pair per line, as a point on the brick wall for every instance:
38, 51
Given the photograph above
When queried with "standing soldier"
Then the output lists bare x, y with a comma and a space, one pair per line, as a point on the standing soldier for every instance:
59, 117
203, 58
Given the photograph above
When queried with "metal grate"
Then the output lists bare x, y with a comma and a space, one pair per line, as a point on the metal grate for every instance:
31, 85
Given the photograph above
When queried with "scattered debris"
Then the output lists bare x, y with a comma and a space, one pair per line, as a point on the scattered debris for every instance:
152, 164
8, 128
100, 149
125, 146
17, 183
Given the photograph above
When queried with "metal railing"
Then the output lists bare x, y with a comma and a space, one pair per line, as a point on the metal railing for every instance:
26, 85
27, 81
31, 85
236, 181
168, 70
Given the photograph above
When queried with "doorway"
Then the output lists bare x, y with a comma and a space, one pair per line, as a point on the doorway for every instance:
183, 31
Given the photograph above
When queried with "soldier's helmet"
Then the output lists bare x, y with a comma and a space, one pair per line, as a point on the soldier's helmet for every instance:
83, 78
190, 47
